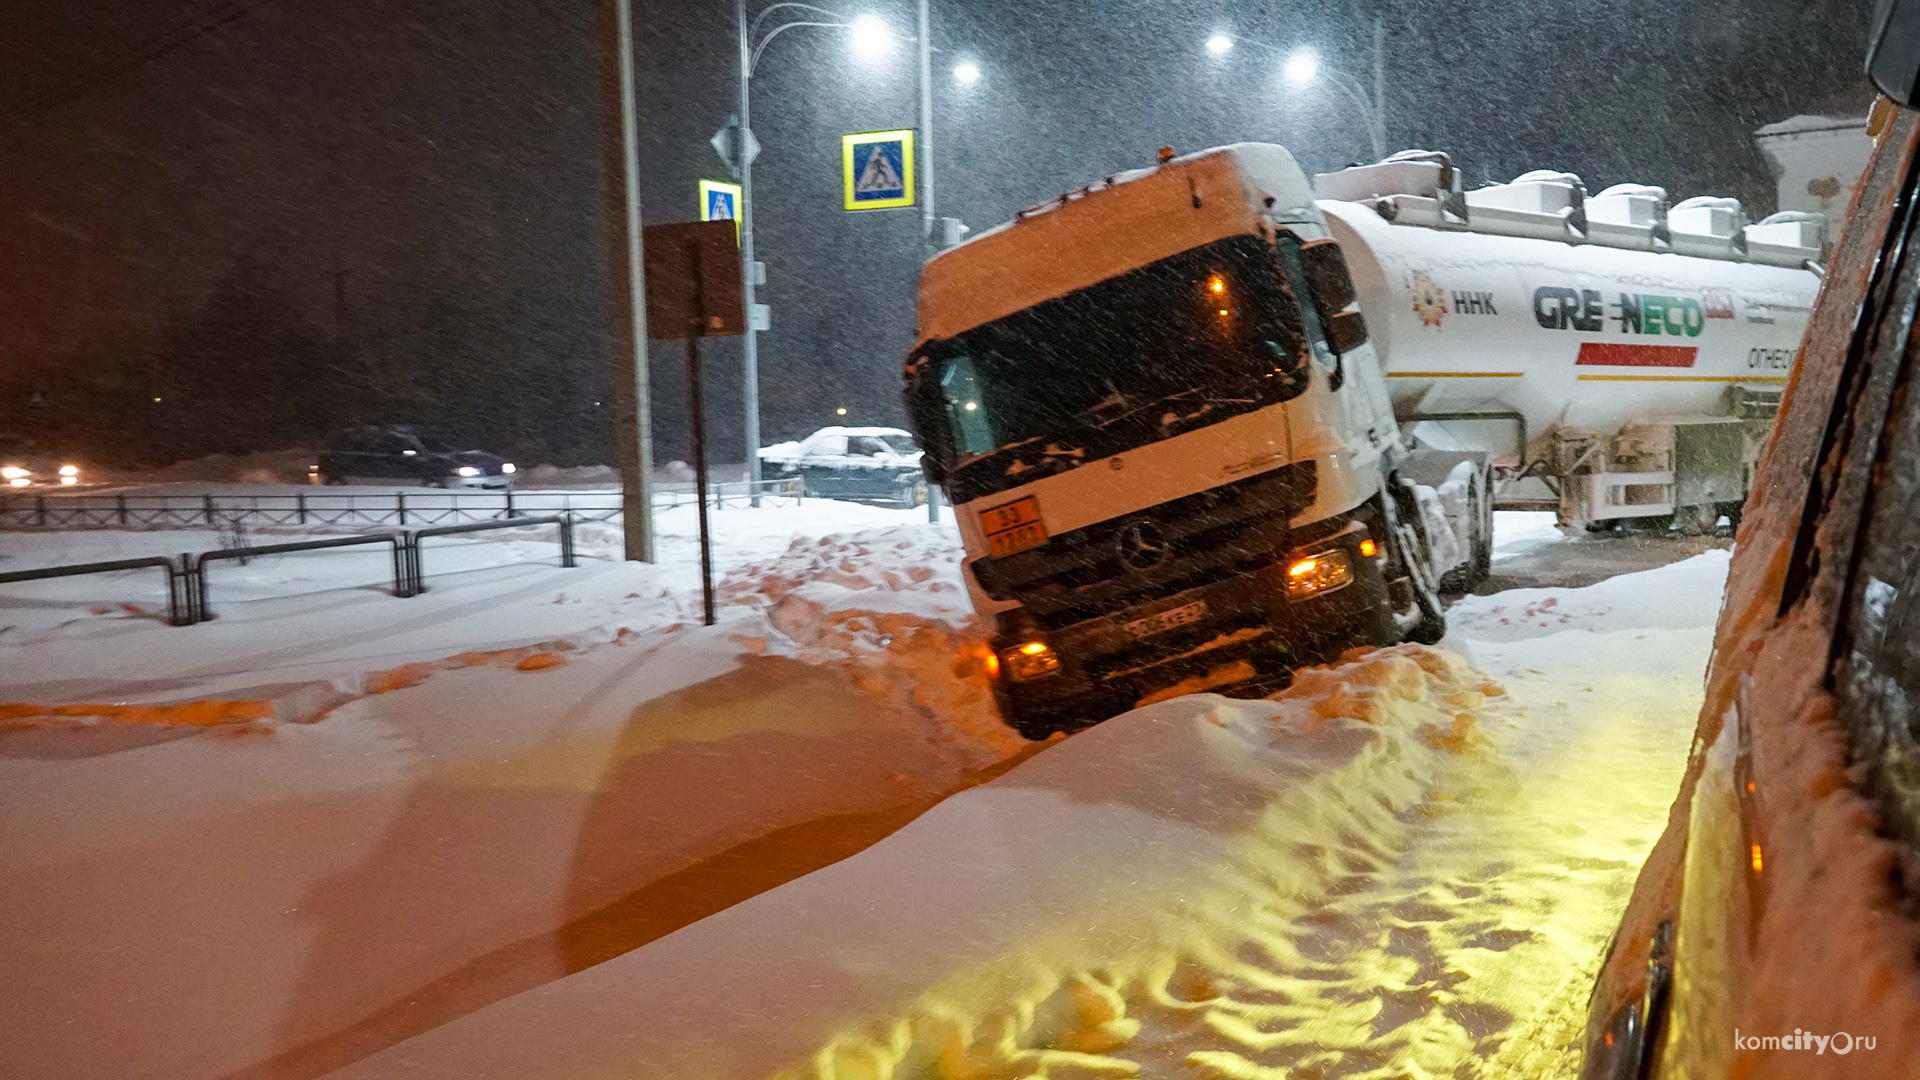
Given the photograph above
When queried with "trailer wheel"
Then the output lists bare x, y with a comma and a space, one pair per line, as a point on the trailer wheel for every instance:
1410, 550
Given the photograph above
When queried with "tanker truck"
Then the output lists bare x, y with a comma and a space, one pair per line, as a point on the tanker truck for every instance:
1192, 444
1615, 359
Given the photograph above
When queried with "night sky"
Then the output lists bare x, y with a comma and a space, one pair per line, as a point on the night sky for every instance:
327, 213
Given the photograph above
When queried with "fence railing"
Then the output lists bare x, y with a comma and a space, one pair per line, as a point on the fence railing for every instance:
330, 508
187, 580
179, 591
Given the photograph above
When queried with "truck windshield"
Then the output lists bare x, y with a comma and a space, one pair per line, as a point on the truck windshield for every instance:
1179, 344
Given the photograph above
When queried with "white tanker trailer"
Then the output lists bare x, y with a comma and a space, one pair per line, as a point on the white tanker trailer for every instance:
1172, 409
1612, 357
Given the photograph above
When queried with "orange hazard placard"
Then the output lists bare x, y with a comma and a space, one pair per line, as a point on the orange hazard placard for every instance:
1014, 526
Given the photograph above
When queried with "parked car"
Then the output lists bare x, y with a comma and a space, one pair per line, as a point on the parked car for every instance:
860, 464
403, 455
1772, 930
23, 464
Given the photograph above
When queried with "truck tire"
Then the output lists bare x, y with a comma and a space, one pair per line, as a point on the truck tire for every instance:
1410, 551
1478, 538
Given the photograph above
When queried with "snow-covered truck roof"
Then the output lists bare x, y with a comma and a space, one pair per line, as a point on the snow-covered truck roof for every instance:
1107, 228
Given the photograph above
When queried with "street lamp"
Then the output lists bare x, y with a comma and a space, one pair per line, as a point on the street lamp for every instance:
966, 73
1302, 67
870, 38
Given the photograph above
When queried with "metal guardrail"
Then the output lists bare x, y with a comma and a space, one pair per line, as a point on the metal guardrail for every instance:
327, 507
199, 611
179, 606
187, 580
418, 576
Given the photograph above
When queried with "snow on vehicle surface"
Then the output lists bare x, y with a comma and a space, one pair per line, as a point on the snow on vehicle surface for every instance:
1169, 445
867, 463
1392, 868
1629, 352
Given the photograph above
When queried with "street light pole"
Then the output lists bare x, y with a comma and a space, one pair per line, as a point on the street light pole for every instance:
749, 347
928, 222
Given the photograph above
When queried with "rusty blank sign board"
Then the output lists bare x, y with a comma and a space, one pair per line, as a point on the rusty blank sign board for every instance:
693, 280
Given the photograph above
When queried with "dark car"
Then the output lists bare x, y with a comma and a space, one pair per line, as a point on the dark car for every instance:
398, 455
859, 464
1772, 930
23, 463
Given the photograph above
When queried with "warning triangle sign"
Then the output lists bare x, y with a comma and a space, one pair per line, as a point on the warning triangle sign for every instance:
879, 175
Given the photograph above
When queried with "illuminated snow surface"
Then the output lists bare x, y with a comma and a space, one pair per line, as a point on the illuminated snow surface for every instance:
1402, 866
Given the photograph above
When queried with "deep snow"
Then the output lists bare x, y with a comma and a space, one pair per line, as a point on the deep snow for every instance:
1427, 884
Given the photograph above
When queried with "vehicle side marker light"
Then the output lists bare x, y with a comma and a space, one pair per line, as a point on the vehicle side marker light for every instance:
1319, 573
1368, 547
1030, 660
1756, 858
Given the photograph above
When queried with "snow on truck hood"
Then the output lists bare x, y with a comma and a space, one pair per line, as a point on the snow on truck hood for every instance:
1109, 227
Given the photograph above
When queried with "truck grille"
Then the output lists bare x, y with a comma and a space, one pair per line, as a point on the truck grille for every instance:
1201, 537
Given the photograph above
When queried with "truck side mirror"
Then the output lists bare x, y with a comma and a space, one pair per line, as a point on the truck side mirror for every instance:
929, 423
1327, 275
1346, 331
1893, 57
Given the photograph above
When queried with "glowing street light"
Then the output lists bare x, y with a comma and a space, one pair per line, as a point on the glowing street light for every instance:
967, 73
870, 36
1302, 66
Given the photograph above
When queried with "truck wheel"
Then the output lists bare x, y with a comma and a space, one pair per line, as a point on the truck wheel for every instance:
913, 494
1410, 550
1479, 538
1483, 544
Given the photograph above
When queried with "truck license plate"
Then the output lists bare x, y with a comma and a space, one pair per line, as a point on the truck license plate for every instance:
1013, 527
1167, 620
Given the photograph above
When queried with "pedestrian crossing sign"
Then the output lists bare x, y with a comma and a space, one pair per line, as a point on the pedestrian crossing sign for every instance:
721, 202
877, 167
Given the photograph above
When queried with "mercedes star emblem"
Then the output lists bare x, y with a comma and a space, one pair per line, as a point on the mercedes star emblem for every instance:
1141, 545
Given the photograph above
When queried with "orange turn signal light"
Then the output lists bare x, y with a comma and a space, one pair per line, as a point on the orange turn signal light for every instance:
1368, 547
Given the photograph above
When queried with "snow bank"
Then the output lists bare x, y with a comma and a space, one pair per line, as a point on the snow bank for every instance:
264, 467
189, 901
1125, 863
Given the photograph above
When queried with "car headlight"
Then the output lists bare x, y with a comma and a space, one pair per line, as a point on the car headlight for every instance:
69, 479
14, 472
1029, 660
507, 468
69, 470
1318, 573
468, 470
19, 481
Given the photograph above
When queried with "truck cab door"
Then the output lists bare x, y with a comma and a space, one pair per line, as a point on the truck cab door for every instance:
1344, 413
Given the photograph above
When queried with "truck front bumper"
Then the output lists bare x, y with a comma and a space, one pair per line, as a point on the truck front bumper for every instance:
1241, 635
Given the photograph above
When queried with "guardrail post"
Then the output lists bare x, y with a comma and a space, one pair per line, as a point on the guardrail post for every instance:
400, 501
190, 587
40, 510
207, 504
566, 540
120, 504
300, 504
509, 502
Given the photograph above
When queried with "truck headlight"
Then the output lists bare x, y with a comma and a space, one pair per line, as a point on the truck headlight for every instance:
18, 481
468, 470
1318, 573
14, 472
1029, 660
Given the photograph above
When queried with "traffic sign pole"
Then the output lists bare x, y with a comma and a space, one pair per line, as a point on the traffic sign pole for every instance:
749, 350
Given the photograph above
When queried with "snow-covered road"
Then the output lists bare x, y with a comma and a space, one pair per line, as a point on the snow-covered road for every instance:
1394, 874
